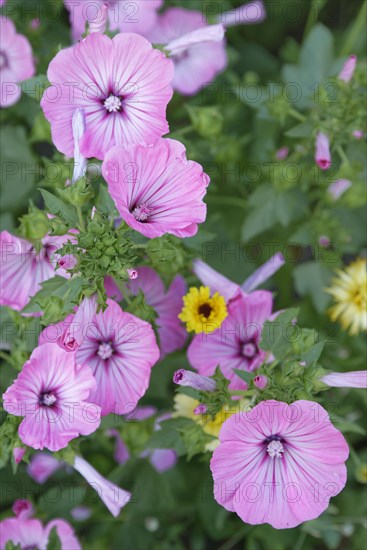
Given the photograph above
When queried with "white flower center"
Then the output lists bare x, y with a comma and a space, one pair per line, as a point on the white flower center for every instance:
249, 350
105, 350
275, 448
48, 399
113, 104
141, 213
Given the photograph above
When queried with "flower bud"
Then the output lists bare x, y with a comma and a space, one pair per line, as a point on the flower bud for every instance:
358, 134
322, 154
348, 69
18, 453
261, 381
34, 225
184, 377
207, 121
337, 188
132, 273
324, 241
23, 509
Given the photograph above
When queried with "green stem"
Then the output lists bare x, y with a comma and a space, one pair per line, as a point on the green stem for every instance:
4, 356
315, 8
183, 131
342, 155
295, 114
301, 539
140, 246
355, 31
231, 201
80, 218
240, 392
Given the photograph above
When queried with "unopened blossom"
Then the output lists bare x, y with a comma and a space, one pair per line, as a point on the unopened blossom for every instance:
261, 381
156, 189
353, 379
184, 377
282, 153
324, 241
16, 62
358, 134
80, 513
272, 459
52, 393
42, 466
250, 13
113, 496
199, 62
349, 290
23, 508
346, 74
167, 303
322, 153
138, 16
18, 453
235, 345
122, 85
338, 188
23, 267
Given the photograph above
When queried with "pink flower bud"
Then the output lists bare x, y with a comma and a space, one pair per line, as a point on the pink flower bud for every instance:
358, 134
260, 381
184, 377
68, 261
23, 509
322, 154
18, 453
324, 241
35, 23
282, 153
337, 188
133, 273
200, 409
81, 513
348, 69
100, 23
354, 379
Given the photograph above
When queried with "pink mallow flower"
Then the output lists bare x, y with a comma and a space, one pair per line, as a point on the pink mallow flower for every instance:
346, 74
196, 63
235, 345
322, 153
156, 189
230, 290
23, 508
279, 463
120, 349
16, 62
354, 379
122, 85
250, 13
123, 15
23, 269
51, 393
167, 303
27, 533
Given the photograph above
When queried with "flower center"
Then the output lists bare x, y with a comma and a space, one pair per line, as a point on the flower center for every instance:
205, 309
113, 104
3, 60
48, 399
105, 350
249, 350
141, 212
275, 447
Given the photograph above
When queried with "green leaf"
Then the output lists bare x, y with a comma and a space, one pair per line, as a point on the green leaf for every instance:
54, 542
59, 208
11, 546
311, 278
244, 375
300, 131
312, 355
35, 86
276, 335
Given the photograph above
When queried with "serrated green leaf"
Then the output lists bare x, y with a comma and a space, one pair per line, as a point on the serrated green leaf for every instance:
244, 375
312, 355
59, 208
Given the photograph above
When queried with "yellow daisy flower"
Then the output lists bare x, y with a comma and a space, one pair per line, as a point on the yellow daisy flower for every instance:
349, 291
185, 406
202, 312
